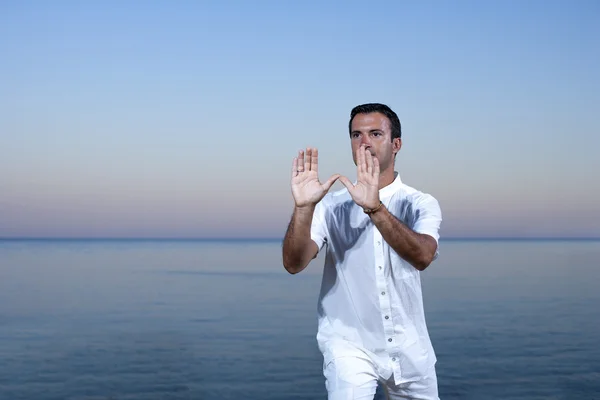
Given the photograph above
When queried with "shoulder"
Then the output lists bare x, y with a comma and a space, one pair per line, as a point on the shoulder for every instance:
419, 198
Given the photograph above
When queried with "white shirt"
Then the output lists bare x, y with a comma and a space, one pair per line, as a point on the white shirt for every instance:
371, 301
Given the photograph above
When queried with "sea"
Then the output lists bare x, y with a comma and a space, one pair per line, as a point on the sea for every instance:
221, 319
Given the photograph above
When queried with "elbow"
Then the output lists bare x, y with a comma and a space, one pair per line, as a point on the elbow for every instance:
421, 266
292, 271
296, 262
292, 267
422, 262
425, 255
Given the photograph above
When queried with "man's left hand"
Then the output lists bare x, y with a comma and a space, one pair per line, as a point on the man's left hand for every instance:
366, 191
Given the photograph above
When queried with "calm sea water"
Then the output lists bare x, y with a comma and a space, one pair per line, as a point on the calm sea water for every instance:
133, 320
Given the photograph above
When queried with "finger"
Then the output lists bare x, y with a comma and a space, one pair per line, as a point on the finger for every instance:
361, 161
327, 185
314, 160
364, 160
376, 167
346, 182
300, 162
369, 162
307, 159
295, 167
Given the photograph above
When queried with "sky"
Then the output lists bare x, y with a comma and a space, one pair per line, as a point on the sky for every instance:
181, 119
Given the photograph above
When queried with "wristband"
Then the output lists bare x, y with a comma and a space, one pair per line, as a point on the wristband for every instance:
372, 210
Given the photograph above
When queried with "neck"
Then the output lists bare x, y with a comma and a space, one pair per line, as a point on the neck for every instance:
386, 177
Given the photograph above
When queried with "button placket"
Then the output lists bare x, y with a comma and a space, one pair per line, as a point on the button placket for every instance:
384, 297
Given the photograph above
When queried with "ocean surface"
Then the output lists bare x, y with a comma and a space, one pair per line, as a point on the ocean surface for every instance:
144, 319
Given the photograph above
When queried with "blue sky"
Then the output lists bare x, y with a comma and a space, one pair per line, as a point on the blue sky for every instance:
180, 119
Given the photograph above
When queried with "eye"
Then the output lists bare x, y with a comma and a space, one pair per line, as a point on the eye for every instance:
355, 135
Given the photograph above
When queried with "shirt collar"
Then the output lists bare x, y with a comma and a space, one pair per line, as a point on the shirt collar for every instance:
392, 187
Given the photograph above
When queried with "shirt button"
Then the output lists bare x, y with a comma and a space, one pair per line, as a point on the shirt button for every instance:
383, 293
390, 339
387, 317
394, 359
379, 243
380, 267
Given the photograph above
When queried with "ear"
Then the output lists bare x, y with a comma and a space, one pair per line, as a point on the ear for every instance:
397, 143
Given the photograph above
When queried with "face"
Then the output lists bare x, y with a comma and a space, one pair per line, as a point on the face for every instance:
374, 130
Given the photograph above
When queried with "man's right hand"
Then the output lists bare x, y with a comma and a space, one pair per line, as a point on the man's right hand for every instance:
306, 187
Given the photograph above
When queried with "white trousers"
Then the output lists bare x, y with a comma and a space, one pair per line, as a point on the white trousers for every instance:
356, 378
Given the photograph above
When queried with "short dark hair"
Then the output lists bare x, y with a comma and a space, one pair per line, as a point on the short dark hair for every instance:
380, 108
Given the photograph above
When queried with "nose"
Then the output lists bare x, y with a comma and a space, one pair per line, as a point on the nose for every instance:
365, 141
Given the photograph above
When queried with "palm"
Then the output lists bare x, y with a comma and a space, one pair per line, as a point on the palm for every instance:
366, 191
306, 187
360, 192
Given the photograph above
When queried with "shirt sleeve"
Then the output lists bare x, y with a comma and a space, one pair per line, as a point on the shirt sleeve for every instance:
318, 228
429, 219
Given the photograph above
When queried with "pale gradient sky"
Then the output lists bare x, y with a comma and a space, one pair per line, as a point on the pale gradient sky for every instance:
180, 119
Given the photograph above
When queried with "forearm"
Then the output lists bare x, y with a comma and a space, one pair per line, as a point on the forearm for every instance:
416, 248
298, 247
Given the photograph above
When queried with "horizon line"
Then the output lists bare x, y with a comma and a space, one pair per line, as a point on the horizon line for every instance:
272, 239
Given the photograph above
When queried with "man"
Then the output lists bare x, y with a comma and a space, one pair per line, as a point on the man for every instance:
378, 234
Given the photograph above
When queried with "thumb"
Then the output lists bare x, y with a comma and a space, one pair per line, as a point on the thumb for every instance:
330, 181
346, 182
